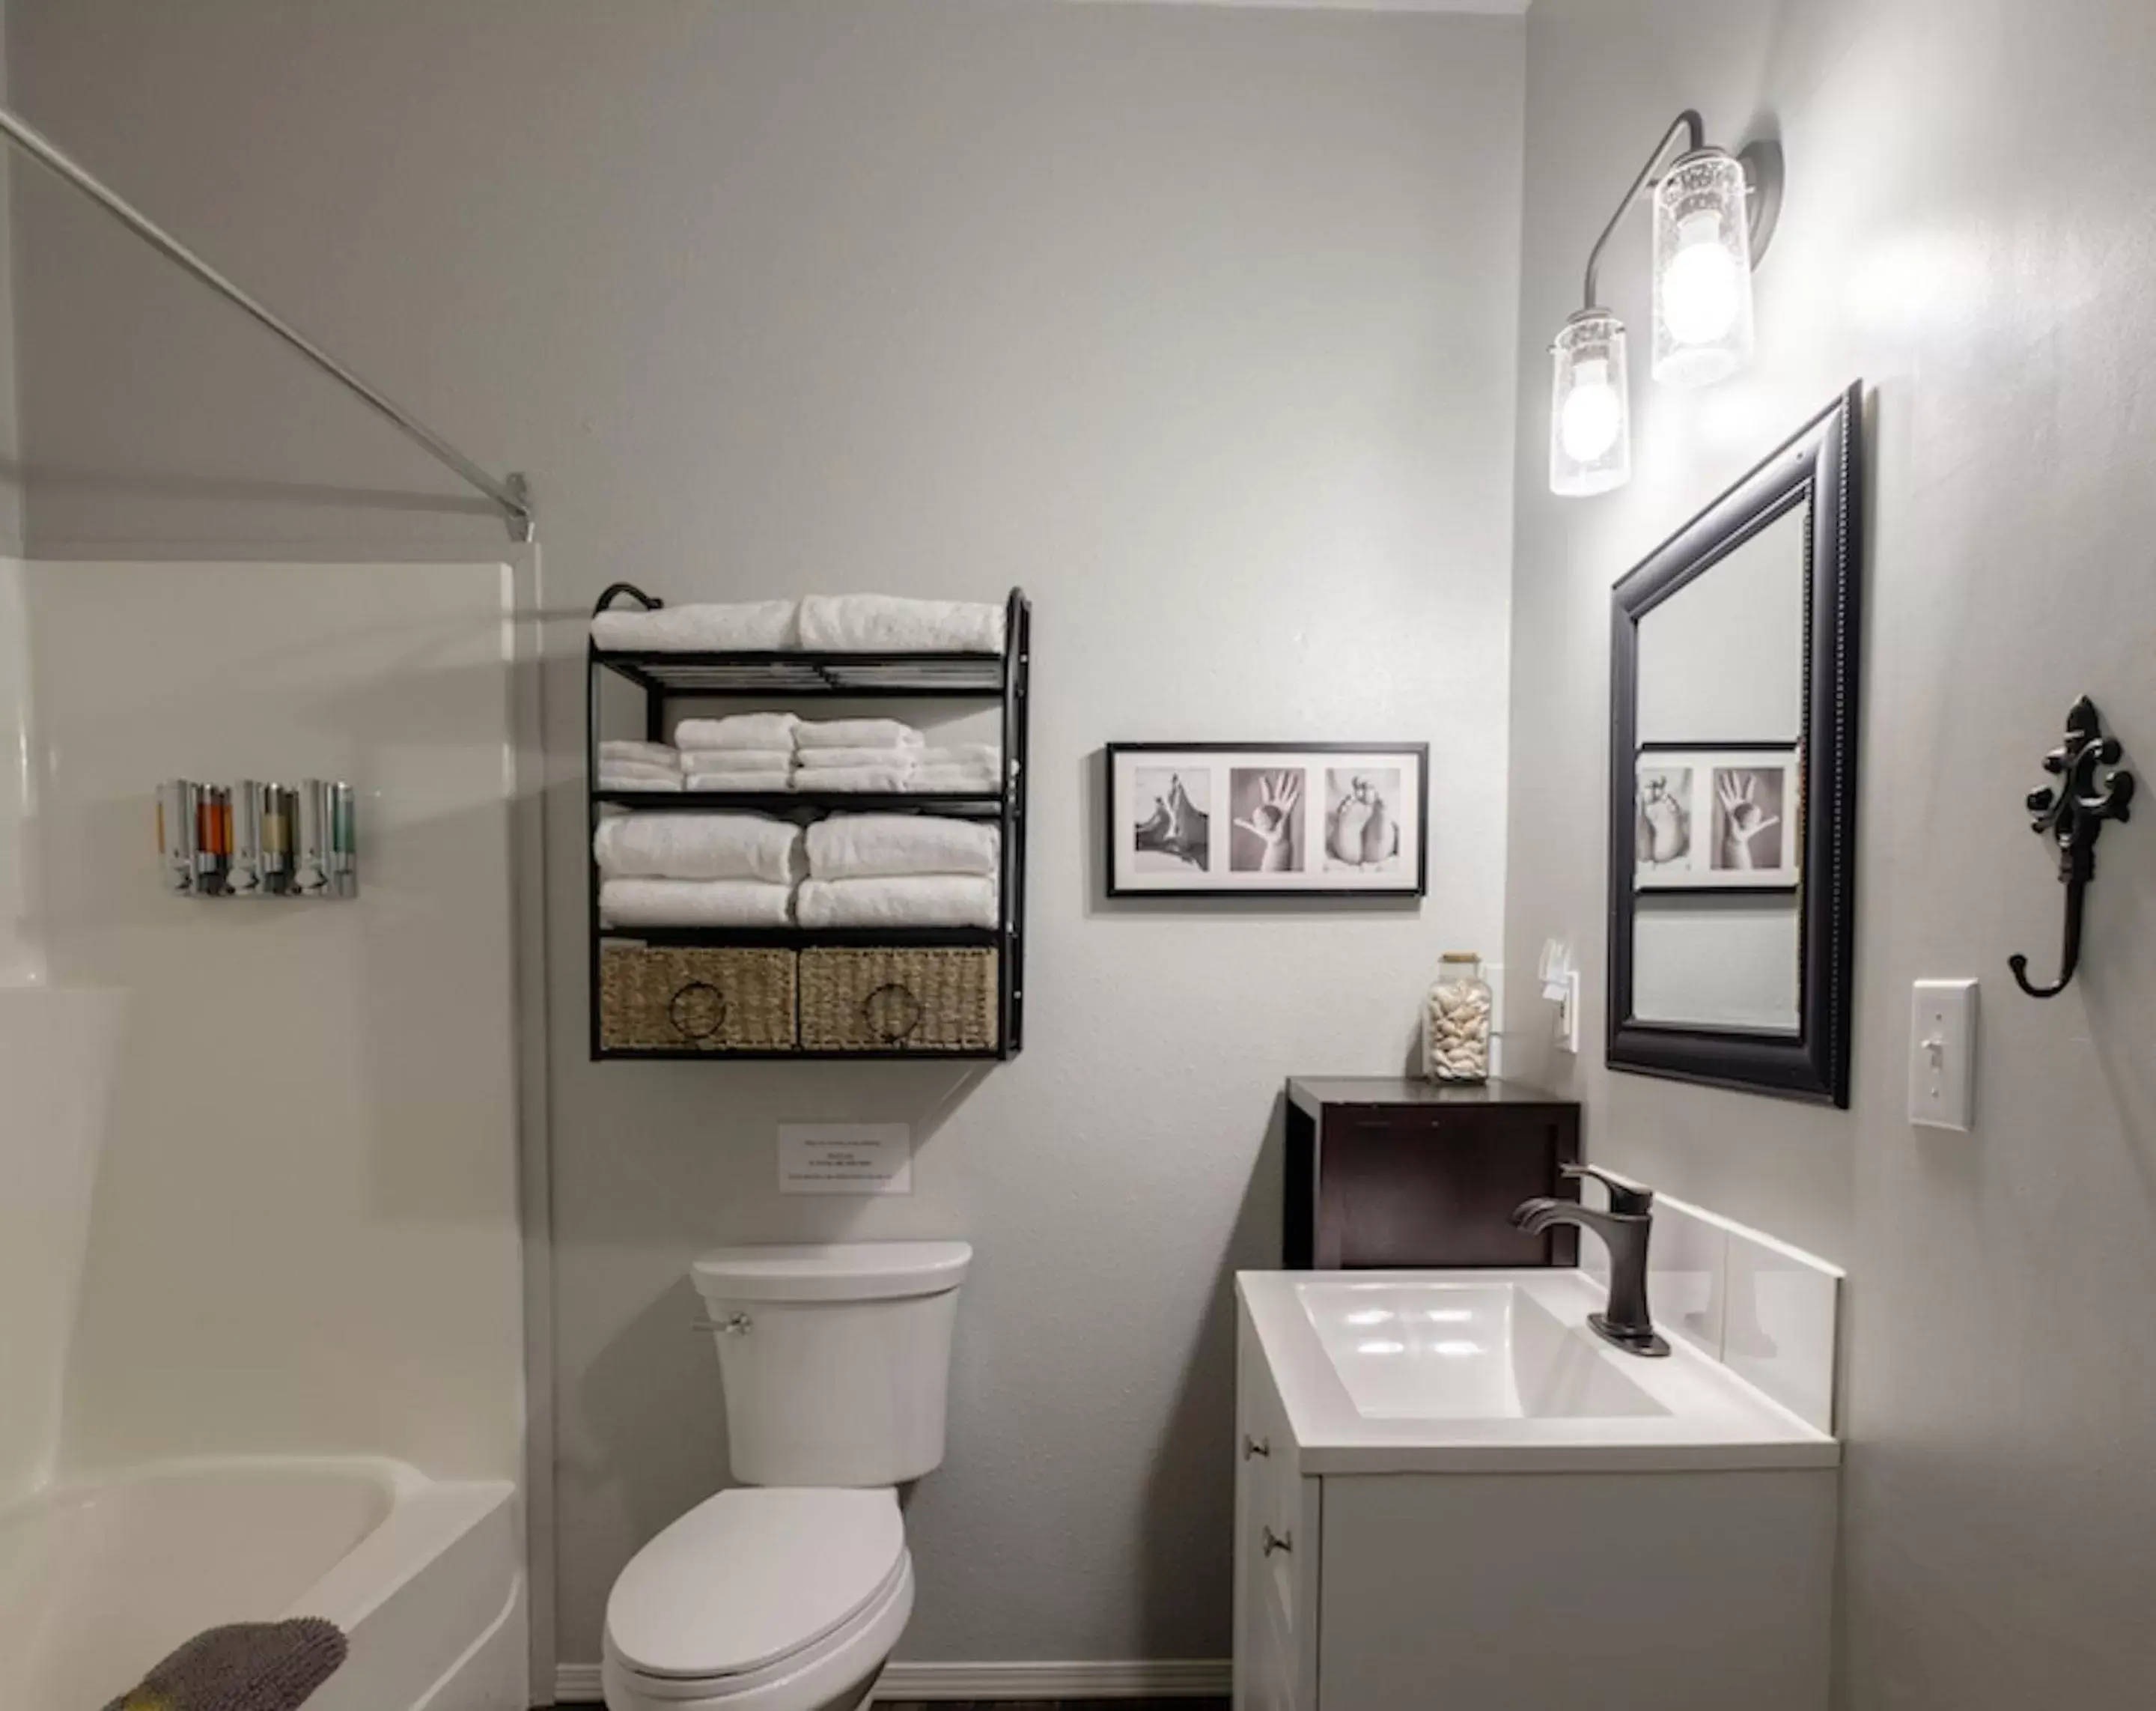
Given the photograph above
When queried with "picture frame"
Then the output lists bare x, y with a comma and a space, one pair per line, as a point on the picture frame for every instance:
1268, 819
1718, 818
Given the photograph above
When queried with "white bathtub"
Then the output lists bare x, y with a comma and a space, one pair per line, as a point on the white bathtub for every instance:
100, 1580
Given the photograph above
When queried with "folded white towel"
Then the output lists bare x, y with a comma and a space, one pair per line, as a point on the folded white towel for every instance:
931, 900
961, 781
963, 754
755, 626
883, 624
638, 768
855, 733
695, 902
857, 756
891, 778
637, 779
736, 731
650, 754
881, 845
776, 778
700, 846
699, 761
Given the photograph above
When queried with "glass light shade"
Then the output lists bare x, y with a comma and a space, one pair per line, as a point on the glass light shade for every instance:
1702, 271
1590, 414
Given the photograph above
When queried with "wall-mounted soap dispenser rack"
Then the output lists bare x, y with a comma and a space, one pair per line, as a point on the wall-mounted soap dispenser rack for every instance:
253, 840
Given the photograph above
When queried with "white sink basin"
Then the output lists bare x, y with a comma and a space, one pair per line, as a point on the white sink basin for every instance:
1498, 1371
1463, 1351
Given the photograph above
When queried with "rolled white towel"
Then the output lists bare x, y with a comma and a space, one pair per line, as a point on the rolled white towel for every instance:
736, 731
700, 846
618, 778
650, 754
855, 733
884, 623
919, 900
776, 778
697, 762
891, 778
952, 781
695, 902
887, 845
755, 627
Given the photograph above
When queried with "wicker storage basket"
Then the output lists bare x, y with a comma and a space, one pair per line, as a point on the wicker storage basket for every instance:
657, 998
898, 1000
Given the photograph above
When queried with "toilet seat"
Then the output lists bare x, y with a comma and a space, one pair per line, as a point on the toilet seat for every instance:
760, 1600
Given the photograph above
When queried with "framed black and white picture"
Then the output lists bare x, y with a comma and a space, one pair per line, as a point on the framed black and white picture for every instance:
1268, 819
1716, 818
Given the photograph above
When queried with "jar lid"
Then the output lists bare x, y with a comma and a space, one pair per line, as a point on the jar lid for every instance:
1461, 956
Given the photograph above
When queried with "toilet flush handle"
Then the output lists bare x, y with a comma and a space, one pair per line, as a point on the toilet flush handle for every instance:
734, 1324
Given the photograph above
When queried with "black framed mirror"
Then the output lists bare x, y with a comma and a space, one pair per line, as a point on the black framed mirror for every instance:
1732, 863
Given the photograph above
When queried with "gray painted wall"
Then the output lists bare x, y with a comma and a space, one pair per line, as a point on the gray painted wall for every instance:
1201, 324
1971, 226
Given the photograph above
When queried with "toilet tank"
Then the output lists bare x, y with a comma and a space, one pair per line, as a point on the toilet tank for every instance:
836, 1360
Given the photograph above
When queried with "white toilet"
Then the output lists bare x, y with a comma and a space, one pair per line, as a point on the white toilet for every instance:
789, 1595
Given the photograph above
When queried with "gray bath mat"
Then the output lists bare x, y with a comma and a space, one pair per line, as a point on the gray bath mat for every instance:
248, 1667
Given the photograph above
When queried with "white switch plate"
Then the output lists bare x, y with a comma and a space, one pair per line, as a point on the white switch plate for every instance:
1943, 1054
845, 1158
1567, 1014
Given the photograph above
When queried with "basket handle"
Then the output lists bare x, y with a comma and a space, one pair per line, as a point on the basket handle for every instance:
902, 997
699, 991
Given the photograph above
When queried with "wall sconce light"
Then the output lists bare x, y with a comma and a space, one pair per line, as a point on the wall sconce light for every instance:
1714, 212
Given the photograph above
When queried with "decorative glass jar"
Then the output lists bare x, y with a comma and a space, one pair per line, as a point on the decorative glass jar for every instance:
1455, 1021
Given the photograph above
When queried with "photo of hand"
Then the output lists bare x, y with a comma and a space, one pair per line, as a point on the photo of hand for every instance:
1178, 831
1268, 809
1748, 820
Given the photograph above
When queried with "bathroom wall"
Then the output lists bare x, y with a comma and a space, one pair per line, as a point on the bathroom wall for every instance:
1199, 322
303, 1232
1970, 227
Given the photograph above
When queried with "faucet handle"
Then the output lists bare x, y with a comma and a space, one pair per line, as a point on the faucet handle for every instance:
1627, 1199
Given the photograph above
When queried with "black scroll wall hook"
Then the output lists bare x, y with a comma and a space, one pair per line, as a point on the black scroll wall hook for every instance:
2071, 814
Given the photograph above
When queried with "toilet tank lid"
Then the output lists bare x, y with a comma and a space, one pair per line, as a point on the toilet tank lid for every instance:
846, 1271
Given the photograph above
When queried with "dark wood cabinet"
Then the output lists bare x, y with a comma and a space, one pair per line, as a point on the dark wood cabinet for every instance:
1386, 1171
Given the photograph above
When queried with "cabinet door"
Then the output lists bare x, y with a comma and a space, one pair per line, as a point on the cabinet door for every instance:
1421, 1186
1276, 1540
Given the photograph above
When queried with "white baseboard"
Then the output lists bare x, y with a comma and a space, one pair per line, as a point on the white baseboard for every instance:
1138, 1678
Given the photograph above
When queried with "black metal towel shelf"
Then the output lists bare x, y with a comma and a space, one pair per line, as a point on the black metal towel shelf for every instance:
663, 678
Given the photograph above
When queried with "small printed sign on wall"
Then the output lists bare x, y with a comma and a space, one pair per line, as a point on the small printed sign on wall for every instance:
845, 1158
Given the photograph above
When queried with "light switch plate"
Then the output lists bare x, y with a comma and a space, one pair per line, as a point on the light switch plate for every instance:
1567, 1014
1943, 1054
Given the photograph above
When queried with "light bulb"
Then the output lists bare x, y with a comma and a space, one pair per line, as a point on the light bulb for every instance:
1593, 415
1700, 286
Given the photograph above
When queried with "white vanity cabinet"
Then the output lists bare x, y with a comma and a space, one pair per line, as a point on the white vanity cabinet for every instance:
1469, 1544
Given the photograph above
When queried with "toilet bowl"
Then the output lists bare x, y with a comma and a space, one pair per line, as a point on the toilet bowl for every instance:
789, 1593
761, 1600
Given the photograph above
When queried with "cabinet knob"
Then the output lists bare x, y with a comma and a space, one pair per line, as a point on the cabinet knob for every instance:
1255, 1446
1275, 1541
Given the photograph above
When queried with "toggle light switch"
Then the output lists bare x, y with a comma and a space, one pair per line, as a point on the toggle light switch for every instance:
1943, 1054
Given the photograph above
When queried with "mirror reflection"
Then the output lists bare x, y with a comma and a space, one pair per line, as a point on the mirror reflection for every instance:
1718, 820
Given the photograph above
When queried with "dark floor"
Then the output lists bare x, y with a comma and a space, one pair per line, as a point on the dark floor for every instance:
1056, 1705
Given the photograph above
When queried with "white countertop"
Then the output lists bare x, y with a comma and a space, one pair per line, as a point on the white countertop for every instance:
1498, 1371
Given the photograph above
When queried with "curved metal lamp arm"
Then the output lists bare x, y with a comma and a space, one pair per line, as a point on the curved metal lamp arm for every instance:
1687, 125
